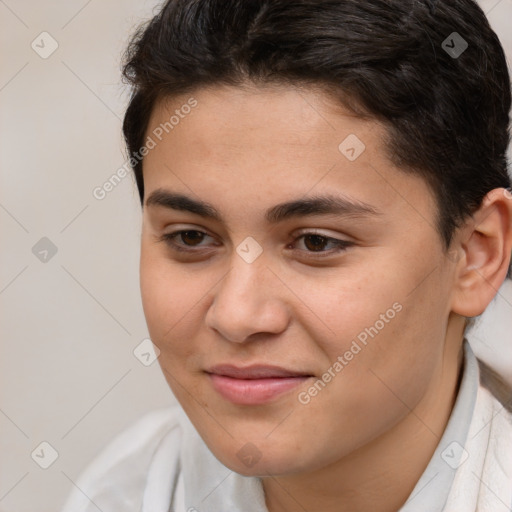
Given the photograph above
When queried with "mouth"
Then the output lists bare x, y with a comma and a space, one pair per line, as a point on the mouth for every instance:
254, 385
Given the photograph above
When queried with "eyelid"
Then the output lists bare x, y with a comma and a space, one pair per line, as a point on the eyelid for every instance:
169, 239
341, 245
322, 232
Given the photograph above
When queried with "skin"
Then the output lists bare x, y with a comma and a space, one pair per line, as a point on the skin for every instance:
365, 439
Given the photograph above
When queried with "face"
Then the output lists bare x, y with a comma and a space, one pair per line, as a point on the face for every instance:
291, 276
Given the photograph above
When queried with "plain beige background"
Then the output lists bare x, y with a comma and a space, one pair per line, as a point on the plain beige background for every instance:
70, 324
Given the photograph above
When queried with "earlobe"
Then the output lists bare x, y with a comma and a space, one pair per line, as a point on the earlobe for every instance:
485, 246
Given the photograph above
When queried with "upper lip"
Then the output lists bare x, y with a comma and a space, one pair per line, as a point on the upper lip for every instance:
257, 371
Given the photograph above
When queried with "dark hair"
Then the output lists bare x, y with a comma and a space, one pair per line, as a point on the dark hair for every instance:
396, 61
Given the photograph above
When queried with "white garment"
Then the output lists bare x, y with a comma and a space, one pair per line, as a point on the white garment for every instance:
161, 464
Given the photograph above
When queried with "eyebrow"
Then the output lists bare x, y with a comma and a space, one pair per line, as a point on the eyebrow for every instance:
308, 206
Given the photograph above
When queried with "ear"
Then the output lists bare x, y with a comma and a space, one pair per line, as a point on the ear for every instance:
484, 248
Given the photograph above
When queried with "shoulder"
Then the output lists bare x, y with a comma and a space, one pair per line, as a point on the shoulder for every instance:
116, 477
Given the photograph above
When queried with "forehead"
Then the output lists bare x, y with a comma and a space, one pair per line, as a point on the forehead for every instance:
271, 144
236, 116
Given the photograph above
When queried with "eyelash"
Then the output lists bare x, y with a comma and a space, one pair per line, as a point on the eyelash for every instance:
341, 245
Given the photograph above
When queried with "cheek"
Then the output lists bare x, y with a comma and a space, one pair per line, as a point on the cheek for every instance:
382, 326
157, 294
168, 298
348, 306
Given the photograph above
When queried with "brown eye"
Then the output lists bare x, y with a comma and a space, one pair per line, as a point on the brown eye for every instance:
191, 237
315, 242
185, 240
318, 245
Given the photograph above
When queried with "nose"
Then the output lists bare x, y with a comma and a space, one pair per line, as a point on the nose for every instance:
249, 300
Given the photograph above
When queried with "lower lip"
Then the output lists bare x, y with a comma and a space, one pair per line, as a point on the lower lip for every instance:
253, 391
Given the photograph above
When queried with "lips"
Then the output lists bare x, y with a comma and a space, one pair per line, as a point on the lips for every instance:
254, 372
253, 385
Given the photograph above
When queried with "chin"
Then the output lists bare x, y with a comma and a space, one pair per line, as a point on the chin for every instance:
263, 468
260, 461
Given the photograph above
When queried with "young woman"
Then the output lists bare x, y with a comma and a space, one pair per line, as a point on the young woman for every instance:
325, 206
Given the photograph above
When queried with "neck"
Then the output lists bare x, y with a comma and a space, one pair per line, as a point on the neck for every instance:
381, 475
